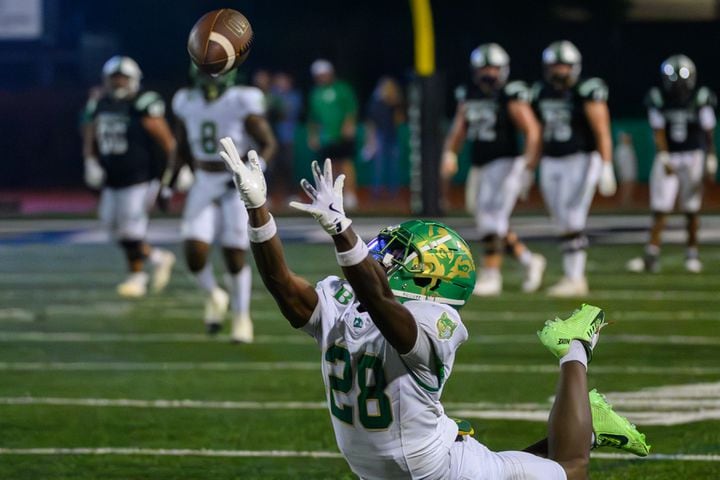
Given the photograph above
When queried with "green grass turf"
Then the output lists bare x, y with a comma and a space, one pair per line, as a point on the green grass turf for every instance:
70, 289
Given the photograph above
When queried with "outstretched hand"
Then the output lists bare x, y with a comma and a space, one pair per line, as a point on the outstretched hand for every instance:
326, 197
249, 179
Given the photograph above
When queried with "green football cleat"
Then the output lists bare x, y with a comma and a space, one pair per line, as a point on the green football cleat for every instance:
613, 430
583, 325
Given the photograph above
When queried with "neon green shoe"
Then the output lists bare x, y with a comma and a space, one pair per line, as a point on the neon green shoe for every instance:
584, 325
613, 430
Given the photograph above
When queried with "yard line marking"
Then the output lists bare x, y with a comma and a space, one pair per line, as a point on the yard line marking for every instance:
183, 452
315, 367
16, 315
89, 337
297, 339
162, 403
170, 452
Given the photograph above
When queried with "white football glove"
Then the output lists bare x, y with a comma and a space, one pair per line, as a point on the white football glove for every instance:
711, 166
185, 179
608, 184
663, 158
327, 199
527, 180
94, 173
249, 179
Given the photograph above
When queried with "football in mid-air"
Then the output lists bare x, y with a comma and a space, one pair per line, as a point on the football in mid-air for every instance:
220, 41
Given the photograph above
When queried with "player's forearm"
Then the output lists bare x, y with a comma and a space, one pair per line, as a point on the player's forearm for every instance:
260, 131
274, 272
533, 146
370, 284
456, 135
661, 144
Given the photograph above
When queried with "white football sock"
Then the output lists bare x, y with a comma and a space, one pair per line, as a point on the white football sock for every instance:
574, 264
156, 255
206, 278
576, 353
525, 257
240, 285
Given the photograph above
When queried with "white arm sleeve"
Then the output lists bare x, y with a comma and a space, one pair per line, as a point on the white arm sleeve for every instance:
656, 119
707, 118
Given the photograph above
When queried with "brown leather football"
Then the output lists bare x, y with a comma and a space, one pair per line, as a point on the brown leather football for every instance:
220, 41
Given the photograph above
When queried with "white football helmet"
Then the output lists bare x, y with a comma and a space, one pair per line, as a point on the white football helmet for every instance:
562, 52
491, 55
124, 66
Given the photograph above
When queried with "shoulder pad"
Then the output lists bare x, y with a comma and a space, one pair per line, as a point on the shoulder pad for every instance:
535, 91
517, 90
654, 98
461, 93
705, 98
150, 103
593, 89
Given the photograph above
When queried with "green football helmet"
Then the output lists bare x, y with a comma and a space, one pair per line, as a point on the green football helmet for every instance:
211, 85
425, 260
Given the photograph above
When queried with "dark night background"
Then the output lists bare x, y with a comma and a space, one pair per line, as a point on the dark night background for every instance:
43, 83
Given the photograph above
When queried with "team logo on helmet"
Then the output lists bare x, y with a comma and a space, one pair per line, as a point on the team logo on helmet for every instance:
426, 260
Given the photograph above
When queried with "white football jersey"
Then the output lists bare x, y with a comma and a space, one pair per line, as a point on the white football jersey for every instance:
206, 122
386, 410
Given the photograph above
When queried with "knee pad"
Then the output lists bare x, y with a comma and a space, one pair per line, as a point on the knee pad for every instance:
133, 249
492, 244
574, 242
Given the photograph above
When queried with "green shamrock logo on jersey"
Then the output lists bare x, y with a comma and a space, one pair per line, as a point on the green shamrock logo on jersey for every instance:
446, 327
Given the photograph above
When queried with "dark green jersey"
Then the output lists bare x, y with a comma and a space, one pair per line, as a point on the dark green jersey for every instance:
126, 151
562, 113
490, 130
684, 120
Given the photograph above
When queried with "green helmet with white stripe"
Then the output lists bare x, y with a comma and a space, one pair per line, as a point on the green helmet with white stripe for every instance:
426, 260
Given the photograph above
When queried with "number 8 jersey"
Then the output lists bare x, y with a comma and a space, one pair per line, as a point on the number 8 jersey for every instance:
207, 121
385, 407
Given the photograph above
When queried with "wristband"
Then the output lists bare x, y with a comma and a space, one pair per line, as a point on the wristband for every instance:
263, 233
353, 256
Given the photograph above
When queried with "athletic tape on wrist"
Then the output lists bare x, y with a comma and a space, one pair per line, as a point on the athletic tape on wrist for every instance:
353, 256
263, 233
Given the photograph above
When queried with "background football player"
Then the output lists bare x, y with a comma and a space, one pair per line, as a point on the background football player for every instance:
126, 144
576, 154
682, 117
213, 108
491, 113
389, 334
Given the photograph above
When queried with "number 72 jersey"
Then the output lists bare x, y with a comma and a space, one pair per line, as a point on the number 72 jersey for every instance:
385, 408
207, 121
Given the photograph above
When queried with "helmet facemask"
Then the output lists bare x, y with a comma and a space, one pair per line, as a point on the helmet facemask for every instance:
125, 67
425, 261
213, 86
566, 55
490, 66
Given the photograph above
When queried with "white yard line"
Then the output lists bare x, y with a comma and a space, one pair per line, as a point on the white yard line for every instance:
315, 367
184, 452
297, 339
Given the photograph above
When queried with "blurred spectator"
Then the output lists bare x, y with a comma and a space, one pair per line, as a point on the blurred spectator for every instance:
332, 125
262, 80
626, 167
384, 114
284, 109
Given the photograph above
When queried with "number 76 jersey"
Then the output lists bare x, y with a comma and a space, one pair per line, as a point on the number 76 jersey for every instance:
207, 121
385, 408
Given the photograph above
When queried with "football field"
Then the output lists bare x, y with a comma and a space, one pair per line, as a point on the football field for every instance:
95, 386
